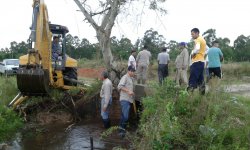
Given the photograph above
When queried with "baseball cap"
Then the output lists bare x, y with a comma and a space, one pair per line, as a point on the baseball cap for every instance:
131, 68
182, 44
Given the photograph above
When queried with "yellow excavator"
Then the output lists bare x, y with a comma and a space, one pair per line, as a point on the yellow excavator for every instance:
39, 71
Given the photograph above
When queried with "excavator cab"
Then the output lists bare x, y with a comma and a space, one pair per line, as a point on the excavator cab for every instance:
38, 71
58, 46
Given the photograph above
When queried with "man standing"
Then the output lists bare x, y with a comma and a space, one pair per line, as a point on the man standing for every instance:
131, 60
125, 87
163, 60
142, 62
106, 98
197, 62
215, 58
181, 63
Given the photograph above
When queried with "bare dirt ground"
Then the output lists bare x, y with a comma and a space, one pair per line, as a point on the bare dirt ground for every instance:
89, 72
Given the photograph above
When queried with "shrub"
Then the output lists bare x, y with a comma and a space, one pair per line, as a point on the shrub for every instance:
175, 119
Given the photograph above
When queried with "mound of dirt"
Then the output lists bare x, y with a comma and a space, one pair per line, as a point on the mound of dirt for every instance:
90, 72
44, 118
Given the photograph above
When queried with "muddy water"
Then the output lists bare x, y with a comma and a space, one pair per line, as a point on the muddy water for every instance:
241, 89
57, 137
243, 93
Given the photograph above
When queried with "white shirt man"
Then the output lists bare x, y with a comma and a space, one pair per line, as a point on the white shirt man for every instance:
131, 59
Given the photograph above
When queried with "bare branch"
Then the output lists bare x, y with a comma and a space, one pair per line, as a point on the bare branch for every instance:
87, 15
115, 5
101, 12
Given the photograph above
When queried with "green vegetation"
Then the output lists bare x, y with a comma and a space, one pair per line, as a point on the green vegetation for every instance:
10, 122
8, 89
175, 119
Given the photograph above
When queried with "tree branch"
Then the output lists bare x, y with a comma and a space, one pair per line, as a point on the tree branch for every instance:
113, 13
101, 12
87, 15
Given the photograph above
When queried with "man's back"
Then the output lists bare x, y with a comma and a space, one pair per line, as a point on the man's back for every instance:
163, 58
143, 57
214, 55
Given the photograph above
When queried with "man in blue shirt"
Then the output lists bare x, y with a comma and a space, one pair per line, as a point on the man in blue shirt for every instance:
215, 58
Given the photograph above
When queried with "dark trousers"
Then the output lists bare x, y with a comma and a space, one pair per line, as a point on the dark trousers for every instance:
214, 72
162, 72
196, 75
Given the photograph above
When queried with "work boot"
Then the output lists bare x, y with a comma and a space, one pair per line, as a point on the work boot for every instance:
122, 132
106, 123
202, 89
190, 89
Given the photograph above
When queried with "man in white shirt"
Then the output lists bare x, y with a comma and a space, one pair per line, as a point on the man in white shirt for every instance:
131, 59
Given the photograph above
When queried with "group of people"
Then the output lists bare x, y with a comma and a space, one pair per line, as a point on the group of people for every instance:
195, 61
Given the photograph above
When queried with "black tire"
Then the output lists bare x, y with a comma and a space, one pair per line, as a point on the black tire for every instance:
70, 73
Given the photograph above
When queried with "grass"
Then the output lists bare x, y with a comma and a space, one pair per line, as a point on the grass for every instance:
175, 119
8, 89
10, 122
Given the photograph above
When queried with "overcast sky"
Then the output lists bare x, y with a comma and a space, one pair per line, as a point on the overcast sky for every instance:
228, 17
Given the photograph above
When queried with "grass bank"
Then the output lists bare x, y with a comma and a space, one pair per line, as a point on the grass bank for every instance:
175, 119
10, 122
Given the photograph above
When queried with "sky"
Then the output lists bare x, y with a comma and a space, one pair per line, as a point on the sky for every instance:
228, 17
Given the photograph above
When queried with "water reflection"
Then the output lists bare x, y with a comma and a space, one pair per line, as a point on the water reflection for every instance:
56, 137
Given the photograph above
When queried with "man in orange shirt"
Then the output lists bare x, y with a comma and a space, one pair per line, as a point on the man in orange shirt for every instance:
196, 78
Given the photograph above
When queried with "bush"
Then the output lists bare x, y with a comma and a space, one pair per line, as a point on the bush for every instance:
175, 119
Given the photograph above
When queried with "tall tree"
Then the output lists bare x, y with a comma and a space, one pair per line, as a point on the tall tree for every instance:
242, 48
154, 41
107, 12
209, 36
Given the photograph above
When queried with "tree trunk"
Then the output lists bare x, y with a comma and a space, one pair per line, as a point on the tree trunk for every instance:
115, 69
103, 32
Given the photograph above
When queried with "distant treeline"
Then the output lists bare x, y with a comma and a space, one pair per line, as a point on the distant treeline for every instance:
77, 48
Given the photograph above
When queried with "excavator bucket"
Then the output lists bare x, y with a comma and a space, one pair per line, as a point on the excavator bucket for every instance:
33, 82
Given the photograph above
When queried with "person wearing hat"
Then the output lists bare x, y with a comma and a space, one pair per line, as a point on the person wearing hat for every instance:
106, 98
131, 59
126, 90
163, 61
181, 63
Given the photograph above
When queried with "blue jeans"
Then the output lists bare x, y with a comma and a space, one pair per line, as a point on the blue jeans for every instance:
125, 108
105, 115
196, 74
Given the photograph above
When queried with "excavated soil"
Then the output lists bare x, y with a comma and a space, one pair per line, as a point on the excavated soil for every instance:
90, 72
